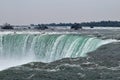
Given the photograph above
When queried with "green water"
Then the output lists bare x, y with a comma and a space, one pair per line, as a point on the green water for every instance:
46, 47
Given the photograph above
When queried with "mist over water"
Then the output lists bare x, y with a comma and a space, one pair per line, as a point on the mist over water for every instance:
17, 49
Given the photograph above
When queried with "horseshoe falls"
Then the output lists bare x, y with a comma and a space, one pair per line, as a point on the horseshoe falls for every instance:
17, 49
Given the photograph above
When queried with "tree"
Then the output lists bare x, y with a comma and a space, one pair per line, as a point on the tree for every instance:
76, 26
41, 26
7, 26
91, 26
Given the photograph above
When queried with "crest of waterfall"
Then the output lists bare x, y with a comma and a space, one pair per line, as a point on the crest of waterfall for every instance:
46, 47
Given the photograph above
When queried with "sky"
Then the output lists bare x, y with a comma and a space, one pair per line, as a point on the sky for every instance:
56, 11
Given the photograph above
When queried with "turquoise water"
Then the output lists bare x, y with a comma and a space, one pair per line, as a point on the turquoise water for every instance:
46, 47
18, 49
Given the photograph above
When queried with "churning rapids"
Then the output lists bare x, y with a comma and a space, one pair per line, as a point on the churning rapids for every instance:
17, 49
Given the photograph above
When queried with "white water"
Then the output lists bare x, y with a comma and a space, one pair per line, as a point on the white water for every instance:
17, 49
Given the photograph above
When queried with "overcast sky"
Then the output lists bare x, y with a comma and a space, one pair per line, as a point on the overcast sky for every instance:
47, 11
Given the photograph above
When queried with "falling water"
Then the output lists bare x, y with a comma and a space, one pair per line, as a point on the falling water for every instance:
16, 49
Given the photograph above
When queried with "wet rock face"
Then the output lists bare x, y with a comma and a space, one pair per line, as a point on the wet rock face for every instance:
102, 64
108, 55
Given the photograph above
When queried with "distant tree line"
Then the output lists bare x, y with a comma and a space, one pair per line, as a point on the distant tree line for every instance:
59, 24
102, 24
96, 24
39, 26
73, 25
89, 24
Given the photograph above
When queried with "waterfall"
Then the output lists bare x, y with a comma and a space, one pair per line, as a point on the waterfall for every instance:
21, 48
